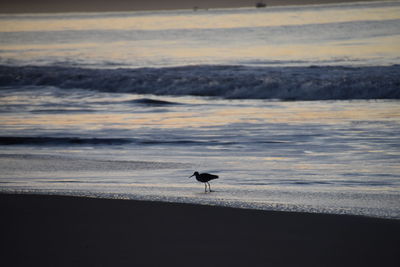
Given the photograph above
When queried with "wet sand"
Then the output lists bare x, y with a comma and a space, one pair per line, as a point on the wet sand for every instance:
41, 230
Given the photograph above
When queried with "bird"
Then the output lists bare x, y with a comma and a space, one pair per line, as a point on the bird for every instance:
204, 178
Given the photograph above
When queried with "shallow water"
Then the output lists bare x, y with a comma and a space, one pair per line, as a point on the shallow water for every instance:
323, 156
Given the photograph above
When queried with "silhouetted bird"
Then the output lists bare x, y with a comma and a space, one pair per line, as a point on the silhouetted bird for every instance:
204, 178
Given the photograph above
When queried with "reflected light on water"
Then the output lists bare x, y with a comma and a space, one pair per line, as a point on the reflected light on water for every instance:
190, 20
138, 39
207, 116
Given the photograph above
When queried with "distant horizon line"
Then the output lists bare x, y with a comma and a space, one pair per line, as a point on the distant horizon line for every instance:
17, 9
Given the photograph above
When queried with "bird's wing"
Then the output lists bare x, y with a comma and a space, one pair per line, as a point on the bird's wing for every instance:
212, 176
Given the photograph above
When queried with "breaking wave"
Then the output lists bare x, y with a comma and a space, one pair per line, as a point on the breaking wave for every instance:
152, 102
80, 141
19, 140
230, 82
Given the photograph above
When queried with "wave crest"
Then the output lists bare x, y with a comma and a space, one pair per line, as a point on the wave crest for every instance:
230, 82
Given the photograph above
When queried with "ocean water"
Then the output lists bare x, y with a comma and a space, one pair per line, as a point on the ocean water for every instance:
295, 108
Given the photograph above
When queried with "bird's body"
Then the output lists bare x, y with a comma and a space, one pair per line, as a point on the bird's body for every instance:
205, 178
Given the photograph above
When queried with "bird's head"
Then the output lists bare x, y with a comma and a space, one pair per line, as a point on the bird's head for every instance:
194, 174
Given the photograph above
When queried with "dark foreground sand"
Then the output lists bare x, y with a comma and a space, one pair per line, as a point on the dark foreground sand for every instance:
68, 231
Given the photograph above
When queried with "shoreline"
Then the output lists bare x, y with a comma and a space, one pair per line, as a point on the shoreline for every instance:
238, 205
77, 231
88, 6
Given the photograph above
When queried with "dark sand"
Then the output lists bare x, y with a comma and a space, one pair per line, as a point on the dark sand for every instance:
69, 231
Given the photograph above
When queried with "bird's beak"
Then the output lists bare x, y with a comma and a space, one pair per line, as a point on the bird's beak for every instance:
191, 176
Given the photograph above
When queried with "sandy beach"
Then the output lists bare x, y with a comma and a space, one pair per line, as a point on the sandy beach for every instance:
48, 230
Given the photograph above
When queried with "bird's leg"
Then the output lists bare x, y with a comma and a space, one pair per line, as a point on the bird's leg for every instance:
205, 189
209, 186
